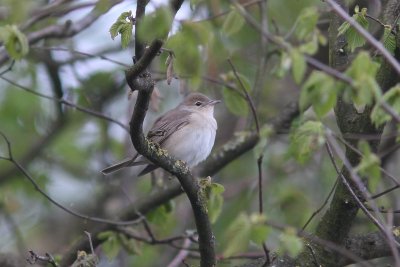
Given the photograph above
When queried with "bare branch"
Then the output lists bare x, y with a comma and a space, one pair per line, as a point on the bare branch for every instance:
65, 30
67, 103
47, 196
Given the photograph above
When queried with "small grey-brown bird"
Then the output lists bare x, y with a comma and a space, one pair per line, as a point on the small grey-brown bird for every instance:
187, 132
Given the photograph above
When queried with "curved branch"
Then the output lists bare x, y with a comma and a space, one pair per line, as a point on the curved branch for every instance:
218, 160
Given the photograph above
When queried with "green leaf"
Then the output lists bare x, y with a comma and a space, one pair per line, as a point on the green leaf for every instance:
290, 242
319, 91
237, 235
233, 22
265, 132
235, 102
15, 41
111, 246
354, 39
129, 244
126, 34
102, 6
298, 65
284, 65
115, 28
389, 39
259, 230
188, 59
306, 23
311, 47
369, 165
124, 27
200, 33
155, 25
215, 201
305, 139
363, 71
391, 97
160, 215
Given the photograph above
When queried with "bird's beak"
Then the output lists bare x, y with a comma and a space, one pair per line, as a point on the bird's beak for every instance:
213, 102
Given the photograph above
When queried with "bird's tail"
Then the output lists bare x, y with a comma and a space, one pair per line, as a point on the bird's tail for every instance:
125, 163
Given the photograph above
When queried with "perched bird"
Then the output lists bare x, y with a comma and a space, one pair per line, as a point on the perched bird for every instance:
187, 132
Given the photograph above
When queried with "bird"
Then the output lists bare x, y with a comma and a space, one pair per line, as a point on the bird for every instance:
187, 132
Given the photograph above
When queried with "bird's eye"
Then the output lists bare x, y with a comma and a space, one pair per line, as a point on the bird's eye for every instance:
198, 103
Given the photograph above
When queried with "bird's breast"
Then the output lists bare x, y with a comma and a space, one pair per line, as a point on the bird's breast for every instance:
193, 142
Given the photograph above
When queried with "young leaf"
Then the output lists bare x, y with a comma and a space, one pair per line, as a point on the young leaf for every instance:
155, 25
305, 139
111, 246
160, 215
319, 91
259, 230
124, 27
306, 23
354, 39
311, 47
284, 65
126, 34
391, 97
298, 65
369, 165
290, 242
237, 235
14, 40
129, 244
233, 22
200, 33
389, 39
215, 201
363, 71
235, 102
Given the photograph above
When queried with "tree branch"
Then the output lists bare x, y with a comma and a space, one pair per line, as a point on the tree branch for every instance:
65, 30
218, 160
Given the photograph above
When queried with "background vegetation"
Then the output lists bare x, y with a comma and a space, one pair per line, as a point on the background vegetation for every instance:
304, 169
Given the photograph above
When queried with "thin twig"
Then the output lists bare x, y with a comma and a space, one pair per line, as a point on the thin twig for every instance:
73, 51
368, 37
68, 103
248, 98
331, 147
318, 65
321, 207
90, 241
375, 19
47, 196
44, 259
9, 68
260, 158
385, 192
358, 152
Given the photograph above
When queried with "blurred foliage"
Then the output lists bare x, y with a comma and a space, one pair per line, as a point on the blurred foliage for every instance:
355, 39
75, 146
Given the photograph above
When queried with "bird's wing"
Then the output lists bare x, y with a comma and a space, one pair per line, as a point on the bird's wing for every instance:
167, 124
